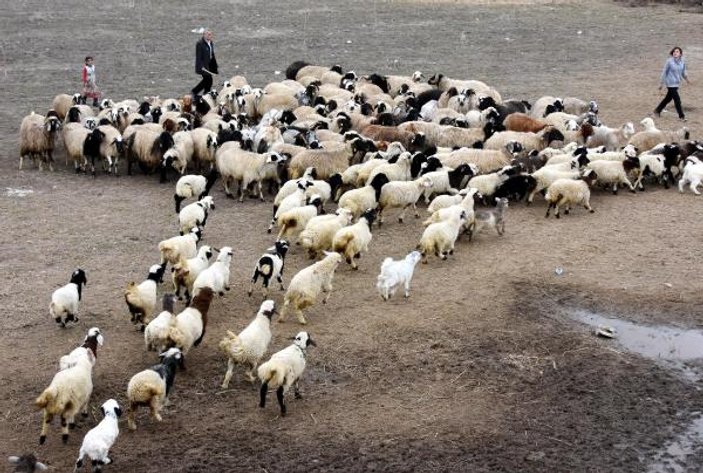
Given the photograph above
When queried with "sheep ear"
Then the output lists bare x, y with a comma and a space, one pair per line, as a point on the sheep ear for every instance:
100, 340
102, 409
118, 411
41, 466
13, 459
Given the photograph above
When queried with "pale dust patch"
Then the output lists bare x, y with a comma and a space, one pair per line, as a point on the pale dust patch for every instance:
492, 2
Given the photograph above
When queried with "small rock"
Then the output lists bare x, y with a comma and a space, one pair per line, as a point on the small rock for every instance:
535, 456
668, 284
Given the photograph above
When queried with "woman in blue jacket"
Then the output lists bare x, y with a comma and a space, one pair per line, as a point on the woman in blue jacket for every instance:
674, 71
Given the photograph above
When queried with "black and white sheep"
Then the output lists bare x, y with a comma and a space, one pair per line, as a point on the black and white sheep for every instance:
193, 185
270, 265
64, 300
141, 298
98, 441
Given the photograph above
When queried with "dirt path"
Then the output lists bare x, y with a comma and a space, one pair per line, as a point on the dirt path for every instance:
479, 371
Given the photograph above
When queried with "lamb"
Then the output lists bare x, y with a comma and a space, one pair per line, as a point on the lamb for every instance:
147, 148
350, 241
98, 441
64, 300
646, 140
319, 231
270, 265
186, 271
402, 194
692, 175
104, 142
141, 299
659, 163
37, 137
295, 220
367, 197
439, 238
648, 124
611, 138
568, 192
615, 172
26, 463
307, 285
180, 247
152, 386
487, 184
249, 346
156, 332
245, 167
216, 276
195, 214
448, 180
89, 347
494, 218
397, 171
577, 106
295, 199
545, 105
546, 175
444, 201
189, 326
397, 273
194, 186
181, 154
284, 370
68, 393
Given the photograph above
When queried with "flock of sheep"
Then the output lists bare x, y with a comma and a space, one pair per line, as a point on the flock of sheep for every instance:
369, 143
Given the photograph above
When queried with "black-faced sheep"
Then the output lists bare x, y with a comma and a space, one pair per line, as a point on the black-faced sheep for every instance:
64, 300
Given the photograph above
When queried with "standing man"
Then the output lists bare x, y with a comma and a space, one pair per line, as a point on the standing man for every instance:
205, 62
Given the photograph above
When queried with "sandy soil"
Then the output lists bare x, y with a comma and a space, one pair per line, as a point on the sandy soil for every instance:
481, 370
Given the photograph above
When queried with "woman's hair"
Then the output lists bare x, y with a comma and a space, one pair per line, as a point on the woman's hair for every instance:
671, 53
88, 57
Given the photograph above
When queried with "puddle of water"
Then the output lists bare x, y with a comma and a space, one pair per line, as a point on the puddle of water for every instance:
671, 347
18, 192
672, 458
656, 342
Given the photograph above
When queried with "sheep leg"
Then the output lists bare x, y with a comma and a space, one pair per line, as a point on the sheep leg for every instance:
279, 396
549, 207
300, 316
130, 416
279, 278
296, 390
695, 182
228, 193
228, 374
253, 282
64, 429
243, 186
155, 407
21, 161
250, 374
282, 316
45, 426
262, 394
327, 289
407, 288
587, 206
402, 213
629, 184
261, 194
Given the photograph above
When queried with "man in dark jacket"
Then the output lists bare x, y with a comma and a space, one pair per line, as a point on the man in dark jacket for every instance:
205, 62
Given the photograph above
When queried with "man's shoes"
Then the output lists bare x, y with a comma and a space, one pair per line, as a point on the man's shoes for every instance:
656, 114
683, 119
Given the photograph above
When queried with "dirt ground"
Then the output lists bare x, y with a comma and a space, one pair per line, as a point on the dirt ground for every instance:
480, 370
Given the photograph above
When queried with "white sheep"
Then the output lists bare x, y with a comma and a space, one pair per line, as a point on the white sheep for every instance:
216, 276
181, 154
648, 124
402, 194
245, 167
351, 240
326, 161
37, 137
307, 285
63, 102
319, 231
68, 394
204, 147
295, 199
486, 184
397, 273
89, 348
295, 220
397, 171
444, 201
692, 175
185, 272
367, 197
249, 346
568, 192
64, 301
615, 172
544, 177
180, 247
73, 135
189, 327
270, 265
156, 331
98, 441
284, 370
141, 299
192, 185
152, 386
439, 238
195, 214
611, 138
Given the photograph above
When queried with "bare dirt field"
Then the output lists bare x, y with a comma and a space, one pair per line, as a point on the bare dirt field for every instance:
482, 369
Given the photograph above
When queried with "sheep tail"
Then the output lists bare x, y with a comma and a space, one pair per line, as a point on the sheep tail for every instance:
227, 342
49, 395
341, 244
176, 336
270, 373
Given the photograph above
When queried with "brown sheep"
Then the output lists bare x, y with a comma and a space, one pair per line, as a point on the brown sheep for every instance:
523, 122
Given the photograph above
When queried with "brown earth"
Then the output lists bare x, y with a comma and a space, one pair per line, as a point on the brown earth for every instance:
479, 371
